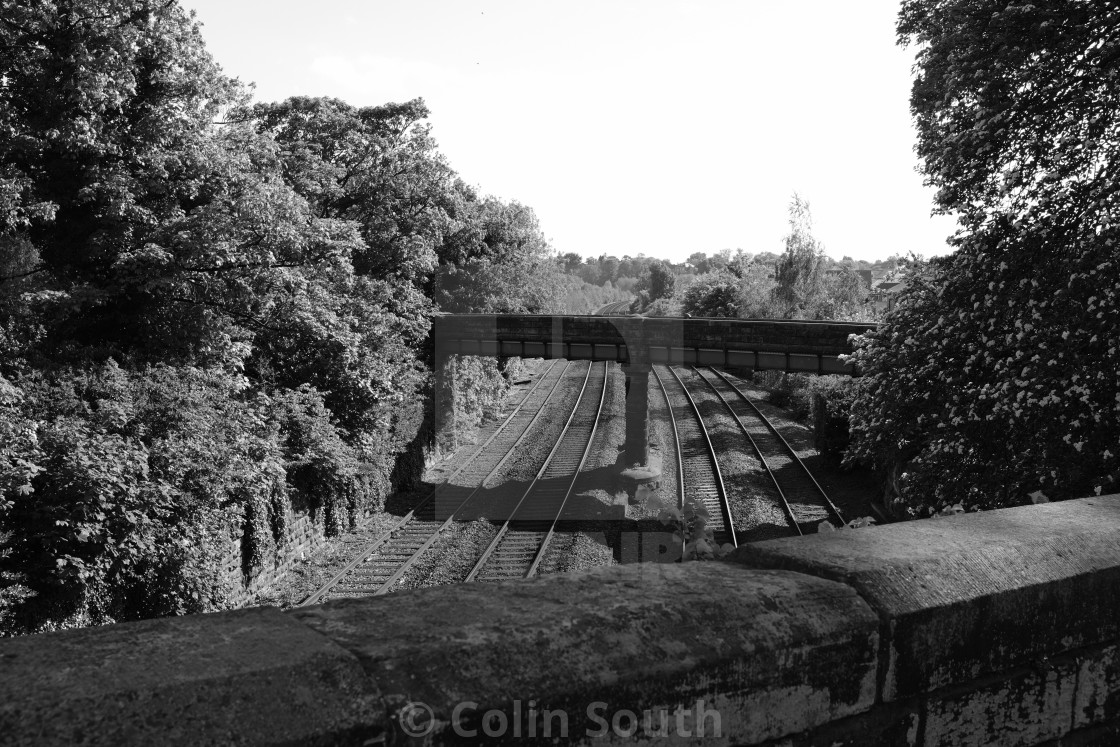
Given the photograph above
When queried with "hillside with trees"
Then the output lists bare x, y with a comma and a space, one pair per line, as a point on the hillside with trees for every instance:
1015, 334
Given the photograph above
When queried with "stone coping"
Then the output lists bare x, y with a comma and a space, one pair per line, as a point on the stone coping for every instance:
997, 627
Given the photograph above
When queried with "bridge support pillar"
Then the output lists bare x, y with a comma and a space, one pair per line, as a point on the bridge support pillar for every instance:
640, 466
637, 414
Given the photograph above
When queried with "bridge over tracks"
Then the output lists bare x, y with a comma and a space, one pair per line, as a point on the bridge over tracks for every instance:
640, 342
776, 344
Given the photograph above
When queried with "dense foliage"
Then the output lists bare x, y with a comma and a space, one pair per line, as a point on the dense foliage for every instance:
793, 285
212, 312
998, 375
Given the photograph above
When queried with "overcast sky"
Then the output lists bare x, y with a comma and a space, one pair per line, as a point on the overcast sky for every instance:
655, 126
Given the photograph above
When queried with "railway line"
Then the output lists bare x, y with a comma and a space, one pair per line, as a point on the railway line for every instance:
618, 307
699, 469
676, 449
523, 538
382, 563
804, 502
482, 486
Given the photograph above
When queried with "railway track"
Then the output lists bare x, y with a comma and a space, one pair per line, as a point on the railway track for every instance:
522, 541
618, 307
384, 562
804, 502
698, 465
676, 452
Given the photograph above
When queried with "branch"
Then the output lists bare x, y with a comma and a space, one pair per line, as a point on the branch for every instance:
260, 266
18, 275
239, 315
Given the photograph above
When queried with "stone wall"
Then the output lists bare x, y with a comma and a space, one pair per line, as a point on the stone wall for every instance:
999, 628
302, 536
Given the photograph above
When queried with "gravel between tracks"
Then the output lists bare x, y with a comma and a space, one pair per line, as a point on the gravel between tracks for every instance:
451, 557
666, 494
594, 494
576, 551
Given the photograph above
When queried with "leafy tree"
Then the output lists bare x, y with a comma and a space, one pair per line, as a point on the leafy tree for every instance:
661, 281
608, 268
374, 165
800, 273
699, 262
162, 284
757, 291
516, 274
712, 295
1017, 114
747, 295
570, 262
844, 297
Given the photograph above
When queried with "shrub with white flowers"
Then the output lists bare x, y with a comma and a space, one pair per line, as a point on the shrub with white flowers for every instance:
999, 373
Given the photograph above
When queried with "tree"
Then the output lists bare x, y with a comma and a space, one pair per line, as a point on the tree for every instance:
1017, 112
661, 281
194, 331
844, 296
608, 269
517, 272
714, 294
800, 273
377, 166
756, 292
571, 262
749, 294
699, 262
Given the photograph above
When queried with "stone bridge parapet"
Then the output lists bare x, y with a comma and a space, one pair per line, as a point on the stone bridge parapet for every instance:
997, 628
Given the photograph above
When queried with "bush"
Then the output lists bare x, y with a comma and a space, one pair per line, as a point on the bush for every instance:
825, 402
140, 480
473, 389
831, 403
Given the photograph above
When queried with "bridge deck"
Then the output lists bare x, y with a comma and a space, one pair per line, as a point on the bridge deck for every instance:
811, 347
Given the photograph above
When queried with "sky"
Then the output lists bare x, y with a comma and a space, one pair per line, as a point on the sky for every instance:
656, 127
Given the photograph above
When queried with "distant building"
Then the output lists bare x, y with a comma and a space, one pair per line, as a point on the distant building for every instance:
864, 275
884, 295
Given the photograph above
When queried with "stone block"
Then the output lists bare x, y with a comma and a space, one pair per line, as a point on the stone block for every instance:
1098, 687
973, 594
770, 652
250, 677
1024, 709
1103, 735
885, 725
